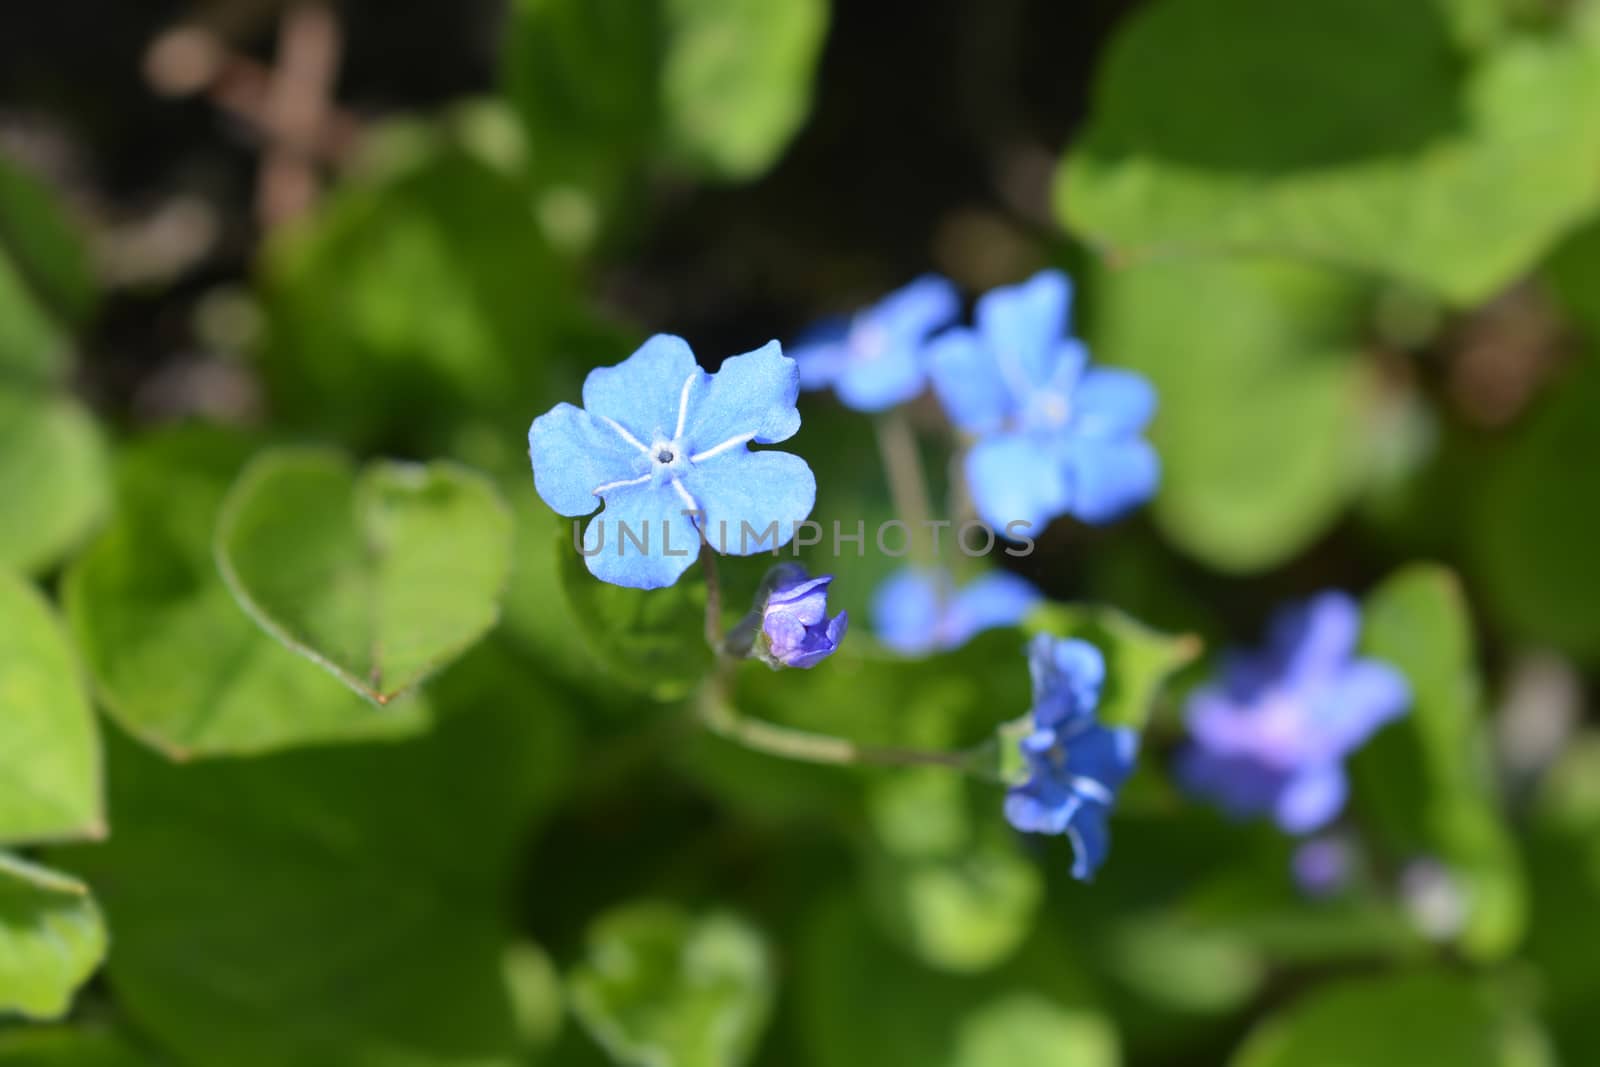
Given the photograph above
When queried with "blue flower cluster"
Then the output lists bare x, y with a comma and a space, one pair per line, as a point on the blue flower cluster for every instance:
663, 449
1075, 765
1270, 736
1052, 436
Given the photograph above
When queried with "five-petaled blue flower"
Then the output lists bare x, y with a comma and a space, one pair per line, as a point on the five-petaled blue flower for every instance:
795, 627
917, 611
875, 359
1271, 735
666, 447
1075, 765
1055, 436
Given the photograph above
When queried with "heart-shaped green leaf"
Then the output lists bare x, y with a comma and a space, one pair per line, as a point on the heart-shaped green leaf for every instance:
177, 662
660, 988
1261, 426
1223, 125
381, 576
49, 746
51, 939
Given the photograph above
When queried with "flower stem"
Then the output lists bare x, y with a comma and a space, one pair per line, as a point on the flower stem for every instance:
708, 565
719, 716
908, 484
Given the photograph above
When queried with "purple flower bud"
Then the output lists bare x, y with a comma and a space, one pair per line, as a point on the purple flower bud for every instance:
795, 627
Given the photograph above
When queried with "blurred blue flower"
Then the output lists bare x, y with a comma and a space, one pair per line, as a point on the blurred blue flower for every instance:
1075, 765
657, 439
918, 611
1055, 435
794, 619
874, 359
1271, 735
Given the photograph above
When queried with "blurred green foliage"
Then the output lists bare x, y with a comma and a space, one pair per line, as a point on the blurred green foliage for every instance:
386, 779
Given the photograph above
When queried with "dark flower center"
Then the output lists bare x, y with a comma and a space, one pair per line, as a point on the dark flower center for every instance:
665, 456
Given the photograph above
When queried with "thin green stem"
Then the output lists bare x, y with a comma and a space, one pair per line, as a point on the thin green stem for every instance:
717, 714
708, 565
908, 483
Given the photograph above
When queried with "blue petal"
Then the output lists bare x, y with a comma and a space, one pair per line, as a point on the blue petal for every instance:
906, 610
754, 488
1041, 806
643, 393
1316, 637
573, 454
1312, 799
968, 382
1091, 841
1239, 785
753, 394
655, 516
888, 378
1016, 478
1366, 695
1103, 755
1067, 675
995, 599
1108, 477
917, 309
1021, 325
820, 352
1110, 402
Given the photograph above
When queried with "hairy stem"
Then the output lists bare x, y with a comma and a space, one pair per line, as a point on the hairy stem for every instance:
908, 484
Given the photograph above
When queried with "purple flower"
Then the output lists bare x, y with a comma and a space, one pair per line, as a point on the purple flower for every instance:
1075, 765
1271, 735
874, 359
666, 447
920, 611
1055, 435
795, 628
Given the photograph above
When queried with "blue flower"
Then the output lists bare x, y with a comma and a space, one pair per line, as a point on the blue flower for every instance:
1075, 765
794, 619
666, 447
1055, 436
1271, 735
874, 360
920, 611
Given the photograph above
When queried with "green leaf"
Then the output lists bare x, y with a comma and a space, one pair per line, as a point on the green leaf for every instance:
1139, 660
736, 79
948, 876
51, 939
382, 577
45, 281
340, 906
177, 662
718, 86
661, 988
416, 298
48, 742
1430, 778
52, 477
1537, 520
61, 1046
1235, 124
860, 1000
650, 639
1261, 422
1025, 1028
1398, 1021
